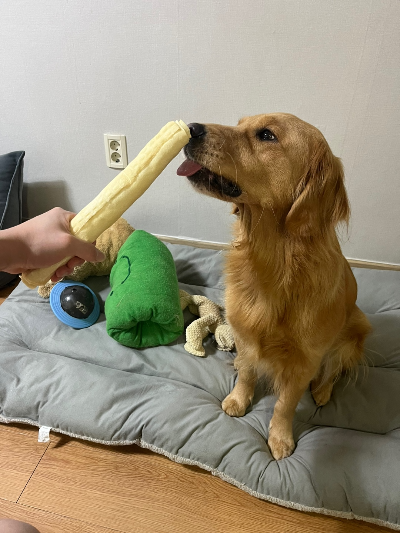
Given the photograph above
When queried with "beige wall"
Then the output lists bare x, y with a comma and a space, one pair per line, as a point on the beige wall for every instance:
73, 70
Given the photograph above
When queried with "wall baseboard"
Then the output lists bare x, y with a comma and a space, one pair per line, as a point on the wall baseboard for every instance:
210, 245
371, 264
226, 246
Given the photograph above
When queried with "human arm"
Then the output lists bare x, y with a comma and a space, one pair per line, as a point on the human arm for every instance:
43, 241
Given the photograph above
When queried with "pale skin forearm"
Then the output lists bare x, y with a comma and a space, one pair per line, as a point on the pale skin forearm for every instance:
12, 249
44, 241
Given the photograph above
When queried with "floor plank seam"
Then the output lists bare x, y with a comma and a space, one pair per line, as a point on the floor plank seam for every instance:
30, 477
92, 524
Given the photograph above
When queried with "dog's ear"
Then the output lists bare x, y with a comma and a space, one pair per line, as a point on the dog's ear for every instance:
320, 199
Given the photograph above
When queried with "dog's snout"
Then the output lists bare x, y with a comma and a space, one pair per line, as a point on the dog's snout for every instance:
196, 130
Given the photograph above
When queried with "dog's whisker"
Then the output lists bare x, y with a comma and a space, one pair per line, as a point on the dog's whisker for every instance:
219, 147
220, 175
273, 212
258, 221
236, 170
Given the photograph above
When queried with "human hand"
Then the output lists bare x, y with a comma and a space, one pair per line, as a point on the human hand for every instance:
44, 241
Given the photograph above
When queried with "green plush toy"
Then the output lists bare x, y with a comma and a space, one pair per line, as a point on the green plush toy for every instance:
143, 308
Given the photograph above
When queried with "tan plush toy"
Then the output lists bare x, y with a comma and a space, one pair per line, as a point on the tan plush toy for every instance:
109, 242
211, 320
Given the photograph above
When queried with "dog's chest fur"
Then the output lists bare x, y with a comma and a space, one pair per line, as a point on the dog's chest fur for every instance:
275, 303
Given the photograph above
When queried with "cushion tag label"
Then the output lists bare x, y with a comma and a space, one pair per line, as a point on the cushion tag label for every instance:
44, 434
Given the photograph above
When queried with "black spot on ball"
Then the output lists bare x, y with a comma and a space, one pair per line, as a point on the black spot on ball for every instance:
77, 301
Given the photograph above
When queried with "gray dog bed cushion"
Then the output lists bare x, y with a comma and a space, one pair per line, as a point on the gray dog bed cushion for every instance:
82, 383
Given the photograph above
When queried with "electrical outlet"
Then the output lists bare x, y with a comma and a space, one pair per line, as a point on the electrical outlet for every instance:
116, 152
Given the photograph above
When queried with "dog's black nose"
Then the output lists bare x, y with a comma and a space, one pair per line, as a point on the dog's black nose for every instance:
196, 130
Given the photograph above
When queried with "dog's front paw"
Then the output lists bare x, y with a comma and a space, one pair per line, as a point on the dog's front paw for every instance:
321, 398
233, 407
322, 393
280, 446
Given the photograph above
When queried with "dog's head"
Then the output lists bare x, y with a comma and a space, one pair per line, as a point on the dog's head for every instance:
276, 161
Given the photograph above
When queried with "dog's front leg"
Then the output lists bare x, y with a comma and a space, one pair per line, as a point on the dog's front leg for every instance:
291, 387
236, 403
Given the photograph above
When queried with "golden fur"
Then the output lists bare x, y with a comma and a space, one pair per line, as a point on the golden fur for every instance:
290, 293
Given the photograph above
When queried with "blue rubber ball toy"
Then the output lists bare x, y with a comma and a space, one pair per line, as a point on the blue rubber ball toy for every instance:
75, 304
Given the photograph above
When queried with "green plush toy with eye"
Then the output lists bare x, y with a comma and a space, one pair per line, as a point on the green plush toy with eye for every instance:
143, 308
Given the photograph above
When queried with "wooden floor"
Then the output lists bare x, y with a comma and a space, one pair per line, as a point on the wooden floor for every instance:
6, 291
71, 486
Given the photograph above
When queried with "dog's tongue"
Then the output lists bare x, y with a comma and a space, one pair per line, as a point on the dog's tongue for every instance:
188, 168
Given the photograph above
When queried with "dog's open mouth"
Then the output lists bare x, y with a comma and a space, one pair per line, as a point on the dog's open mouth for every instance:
204, 179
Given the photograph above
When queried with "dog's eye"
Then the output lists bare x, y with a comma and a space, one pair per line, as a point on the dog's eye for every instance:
266, 135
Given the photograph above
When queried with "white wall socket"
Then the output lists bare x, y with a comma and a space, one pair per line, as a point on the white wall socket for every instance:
116, 152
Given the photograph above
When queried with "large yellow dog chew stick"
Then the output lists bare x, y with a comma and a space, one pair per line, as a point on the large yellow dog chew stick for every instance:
120, 193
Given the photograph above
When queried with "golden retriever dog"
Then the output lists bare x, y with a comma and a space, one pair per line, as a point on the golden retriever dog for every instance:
290, 293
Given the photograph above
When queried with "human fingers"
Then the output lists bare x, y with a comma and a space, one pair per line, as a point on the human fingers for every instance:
84, 250
74, 262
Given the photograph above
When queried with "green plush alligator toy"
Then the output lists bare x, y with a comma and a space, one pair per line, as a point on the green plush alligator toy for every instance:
143, 308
